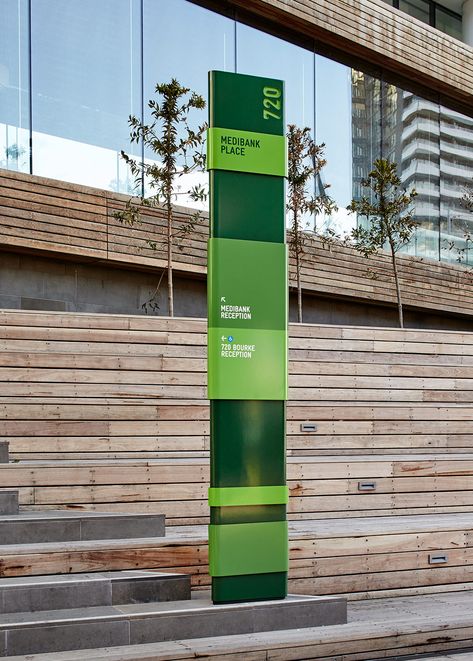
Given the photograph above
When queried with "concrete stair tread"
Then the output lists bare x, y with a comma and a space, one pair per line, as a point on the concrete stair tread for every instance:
201, 605
3, 452
8, 502
318, 528
61, 526
391, 634
77, 595
78, 628
26, 515
31, 581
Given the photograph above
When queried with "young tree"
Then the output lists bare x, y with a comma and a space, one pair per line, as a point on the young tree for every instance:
389, 215
464, 251
305, 162
178, 149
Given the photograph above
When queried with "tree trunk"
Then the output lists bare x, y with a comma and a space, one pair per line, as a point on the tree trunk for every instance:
398, 289
170, 279
299, 287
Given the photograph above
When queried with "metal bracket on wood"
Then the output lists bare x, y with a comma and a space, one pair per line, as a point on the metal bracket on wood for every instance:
438, 558
367, 486
308, 426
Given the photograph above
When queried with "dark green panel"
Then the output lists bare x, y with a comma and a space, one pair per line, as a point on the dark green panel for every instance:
248, 443
237, 102
241, 205
253, 514
251, 587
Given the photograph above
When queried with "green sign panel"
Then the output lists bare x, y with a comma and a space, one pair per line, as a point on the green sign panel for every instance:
247, 343
246, 151
247, 338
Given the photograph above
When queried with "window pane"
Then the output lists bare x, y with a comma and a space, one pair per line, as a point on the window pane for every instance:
420, 169
456, 163
333, 121
86, 82
184, 41
417, 8
445, 22
260, 54
366, 127
14, 84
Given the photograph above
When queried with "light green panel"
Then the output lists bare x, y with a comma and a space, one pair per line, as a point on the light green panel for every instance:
247, 284
243, 496
248, 548
247, 364
246, 151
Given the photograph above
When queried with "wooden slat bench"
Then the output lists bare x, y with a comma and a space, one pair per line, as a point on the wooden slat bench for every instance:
375, 557
46, 216
108, 413
100, 386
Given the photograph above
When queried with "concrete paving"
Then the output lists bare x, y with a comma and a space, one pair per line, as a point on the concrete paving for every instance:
48, 526
132, 624
3, 452
389, 629
28, 594
9, 502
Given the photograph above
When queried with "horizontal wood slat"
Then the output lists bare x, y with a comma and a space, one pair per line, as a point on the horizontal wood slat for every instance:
54, 217
356, 558
378, 34
114, 410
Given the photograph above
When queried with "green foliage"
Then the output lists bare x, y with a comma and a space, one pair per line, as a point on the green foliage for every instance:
467, 198
178, 149
464, 251
13, 155
305, 162
389, 215
390, 220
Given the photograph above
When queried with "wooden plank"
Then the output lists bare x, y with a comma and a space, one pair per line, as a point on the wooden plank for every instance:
339, 271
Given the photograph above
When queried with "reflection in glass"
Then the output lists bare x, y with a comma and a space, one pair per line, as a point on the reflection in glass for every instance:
86, 81
411, 139
260, 54
448, 22
366, 128
417, 8
184, 41
456, 164
193, 42
14, 86
333, 126
277, 58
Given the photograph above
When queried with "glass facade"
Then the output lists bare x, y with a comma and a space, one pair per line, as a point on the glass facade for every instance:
95, 63
434, 14
15, 121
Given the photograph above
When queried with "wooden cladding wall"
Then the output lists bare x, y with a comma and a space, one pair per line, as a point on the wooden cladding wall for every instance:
66, 219
112, 411
380, 35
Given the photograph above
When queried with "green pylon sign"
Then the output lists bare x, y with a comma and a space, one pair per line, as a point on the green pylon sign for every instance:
247, 338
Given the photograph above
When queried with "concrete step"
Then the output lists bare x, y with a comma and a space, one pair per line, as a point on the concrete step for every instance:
134, 624
3, 452
9, 502
47, 593
63, 525
429, 627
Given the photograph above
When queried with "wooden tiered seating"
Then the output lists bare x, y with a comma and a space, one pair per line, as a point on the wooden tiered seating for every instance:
108, 413
59, 218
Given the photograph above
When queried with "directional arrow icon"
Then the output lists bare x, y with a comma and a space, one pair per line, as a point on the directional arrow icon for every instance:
222, 300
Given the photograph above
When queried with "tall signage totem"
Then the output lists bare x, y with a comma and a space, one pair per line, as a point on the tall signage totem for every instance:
247, 338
